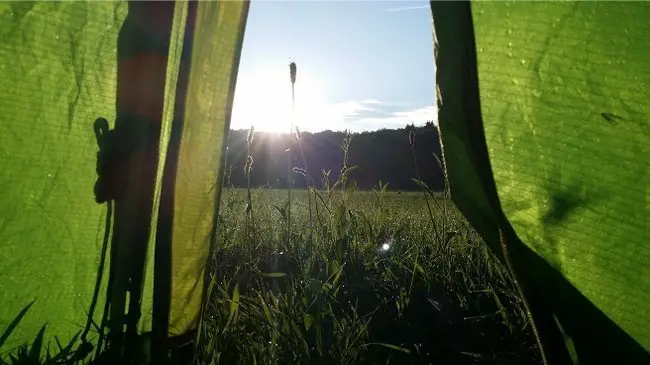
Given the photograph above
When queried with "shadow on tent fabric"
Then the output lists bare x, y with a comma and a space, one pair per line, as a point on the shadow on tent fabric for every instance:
127, 165
551, 297
103, 194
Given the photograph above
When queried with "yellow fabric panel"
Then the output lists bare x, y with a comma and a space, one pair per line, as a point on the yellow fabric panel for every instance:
217, 41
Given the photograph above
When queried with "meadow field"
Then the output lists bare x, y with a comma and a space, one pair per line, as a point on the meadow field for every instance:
335, 274
357, 277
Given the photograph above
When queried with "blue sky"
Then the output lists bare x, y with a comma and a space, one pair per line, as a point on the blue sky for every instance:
362, 65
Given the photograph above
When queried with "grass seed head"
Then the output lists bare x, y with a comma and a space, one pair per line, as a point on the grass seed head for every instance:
299, 171
249, 164
292, 72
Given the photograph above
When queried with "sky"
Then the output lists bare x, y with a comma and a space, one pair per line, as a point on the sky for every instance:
361, 66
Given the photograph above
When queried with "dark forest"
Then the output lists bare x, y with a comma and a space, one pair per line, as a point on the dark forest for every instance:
386, 155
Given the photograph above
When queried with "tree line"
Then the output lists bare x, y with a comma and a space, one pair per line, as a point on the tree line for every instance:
393, 156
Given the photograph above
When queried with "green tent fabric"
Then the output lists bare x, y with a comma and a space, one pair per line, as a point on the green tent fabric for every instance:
161, 77
58, 67
544, 121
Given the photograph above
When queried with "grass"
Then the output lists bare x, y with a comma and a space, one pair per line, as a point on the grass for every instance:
367, 278
373, 278
339, 276
356, 277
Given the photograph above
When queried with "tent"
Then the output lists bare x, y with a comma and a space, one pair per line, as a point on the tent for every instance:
112, 139
114, 117
544, 128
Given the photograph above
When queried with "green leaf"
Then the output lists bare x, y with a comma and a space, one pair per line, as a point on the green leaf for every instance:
265, 308
388, 345
12, 326
64, 351
421, 184
37, 345
58, 344
308, 320
234, 306
274, 274
334, 278
282, 211
322, 200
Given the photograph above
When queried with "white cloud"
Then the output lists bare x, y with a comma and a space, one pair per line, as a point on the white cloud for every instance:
372, 102
396, 120
421, 114
354, 115
348, 109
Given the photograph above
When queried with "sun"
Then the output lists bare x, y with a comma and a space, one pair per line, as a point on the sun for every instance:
263, 99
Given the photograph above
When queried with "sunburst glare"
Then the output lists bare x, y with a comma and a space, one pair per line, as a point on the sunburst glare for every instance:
263, 99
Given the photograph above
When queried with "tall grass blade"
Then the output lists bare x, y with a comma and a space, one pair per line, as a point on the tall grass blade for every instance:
234, 305
274, 274
388, 345
12, 326
37, 345
265, 308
